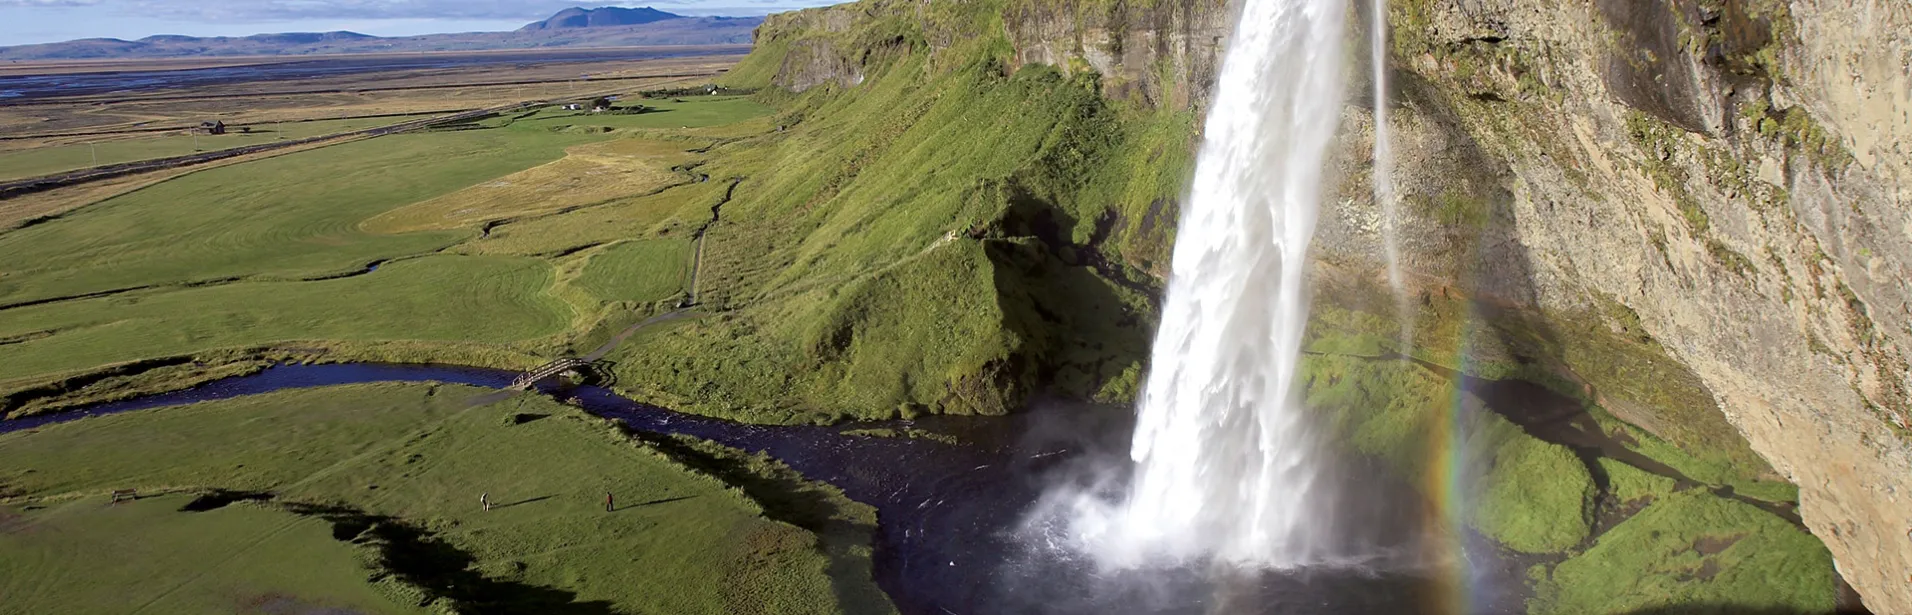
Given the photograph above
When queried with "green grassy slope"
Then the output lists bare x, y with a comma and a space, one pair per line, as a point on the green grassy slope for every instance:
922, 241
411, 459
642, 270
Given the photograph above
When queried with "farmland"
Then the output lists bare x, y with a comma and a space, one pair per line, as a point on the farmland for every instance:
376, 242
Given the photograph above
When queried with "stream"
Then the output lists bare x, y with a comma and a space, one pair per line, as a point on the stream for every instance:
952, 537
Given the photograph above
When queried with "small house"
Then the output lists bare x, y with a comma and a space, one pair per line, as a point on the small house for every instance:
214, 127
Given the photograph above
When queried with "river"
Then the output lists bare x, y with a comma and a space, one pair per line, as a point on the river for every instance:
951, 538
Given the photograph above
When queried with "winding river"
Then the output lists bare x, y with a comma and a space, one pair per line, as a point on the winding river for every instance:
952, 536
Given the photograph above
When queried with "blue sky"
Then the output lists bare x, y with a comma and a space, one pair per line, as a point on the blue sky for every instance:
44, 21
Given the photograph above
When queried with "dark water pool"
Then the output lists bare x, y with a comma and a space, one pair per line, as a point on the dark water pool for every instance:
951, 538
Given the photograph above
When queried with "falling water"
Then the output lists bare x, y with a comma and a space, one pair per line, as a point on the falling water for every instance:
1383, 146
1225, 465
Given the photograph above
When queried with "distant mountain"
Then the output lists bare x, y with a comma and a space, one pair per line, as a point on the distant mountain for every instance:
578, 17
669, 30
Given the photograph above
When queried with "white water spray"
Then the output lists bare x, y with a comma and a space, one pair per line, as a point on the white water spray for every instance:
1226, 466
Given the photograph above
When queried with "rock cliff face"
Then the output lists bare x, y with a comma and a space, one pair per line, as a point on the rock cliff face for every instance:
1697, 212
1164, 54
1733, 173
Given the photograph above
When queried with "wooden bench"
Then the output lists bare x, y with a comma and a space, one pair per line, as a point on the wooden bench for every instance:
125, 494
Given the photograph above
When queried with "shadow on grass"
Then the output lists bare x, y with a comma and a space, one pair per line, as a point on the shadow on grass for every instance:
653, 503
789, 498
441, 571
1730, 609
1062, 296
526, 501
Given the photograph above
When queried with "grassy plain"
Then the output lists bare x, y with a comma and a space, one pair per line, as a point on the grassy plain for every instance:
274, 251
587, 174
356, 94
289, 217
671, 213
399, 468
157, 559
679, 112
37, 158
642, 270
482, 299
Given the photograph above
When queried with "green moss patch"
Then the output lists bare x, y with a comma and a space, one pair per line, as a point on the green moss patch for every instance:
1692, 548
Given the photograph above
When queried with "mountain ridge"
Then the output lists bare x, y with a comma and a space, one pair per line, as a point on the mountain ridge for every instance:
580, 17
571, 28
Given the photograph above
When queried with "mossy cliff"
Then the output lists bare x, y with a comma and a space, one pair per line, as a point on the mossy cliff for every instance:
1684, 215
1688, 213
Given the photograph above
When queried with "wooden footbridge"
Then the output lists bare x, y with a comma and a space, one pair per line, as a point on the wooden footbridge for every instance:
525, 380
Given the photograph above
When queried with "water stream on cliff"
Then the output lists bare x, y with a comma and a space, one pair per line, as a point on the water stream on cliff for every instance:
1226, 466
1383, 145
1384, 167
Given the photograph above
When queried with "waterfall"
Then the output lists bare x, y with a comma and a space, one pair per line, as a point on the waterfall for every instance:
1384, 152
1226, 466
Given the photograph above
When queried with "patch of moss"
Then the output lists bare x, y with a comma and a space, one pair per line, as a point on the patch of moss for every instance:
1734, 261
1693, 548
1537, 498
1659, 142
1529, 495
1599, 355
1631, 485
1453, 208
1795, 128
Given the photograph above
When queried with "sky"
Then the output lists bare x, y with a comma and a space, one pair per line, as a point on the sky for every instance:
44, 21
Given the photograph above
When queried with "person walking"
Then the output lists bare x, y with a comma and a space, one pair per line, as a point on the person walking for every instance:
484, 499
607, 503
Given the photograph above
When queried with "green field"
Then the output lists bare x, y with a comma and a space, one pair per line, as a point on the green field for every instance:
483, 299
411, 459
693, 112
290, 216
645, 270
153, 557
273, 252
115, 149
673, 212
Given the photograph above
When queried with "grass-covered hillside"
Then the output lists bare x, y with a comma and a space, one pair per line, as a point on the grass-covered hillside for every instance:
941, 233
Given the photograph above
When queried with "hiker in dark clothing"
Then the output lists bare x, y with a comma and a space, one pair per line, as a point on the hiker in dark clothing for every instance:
607, 503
